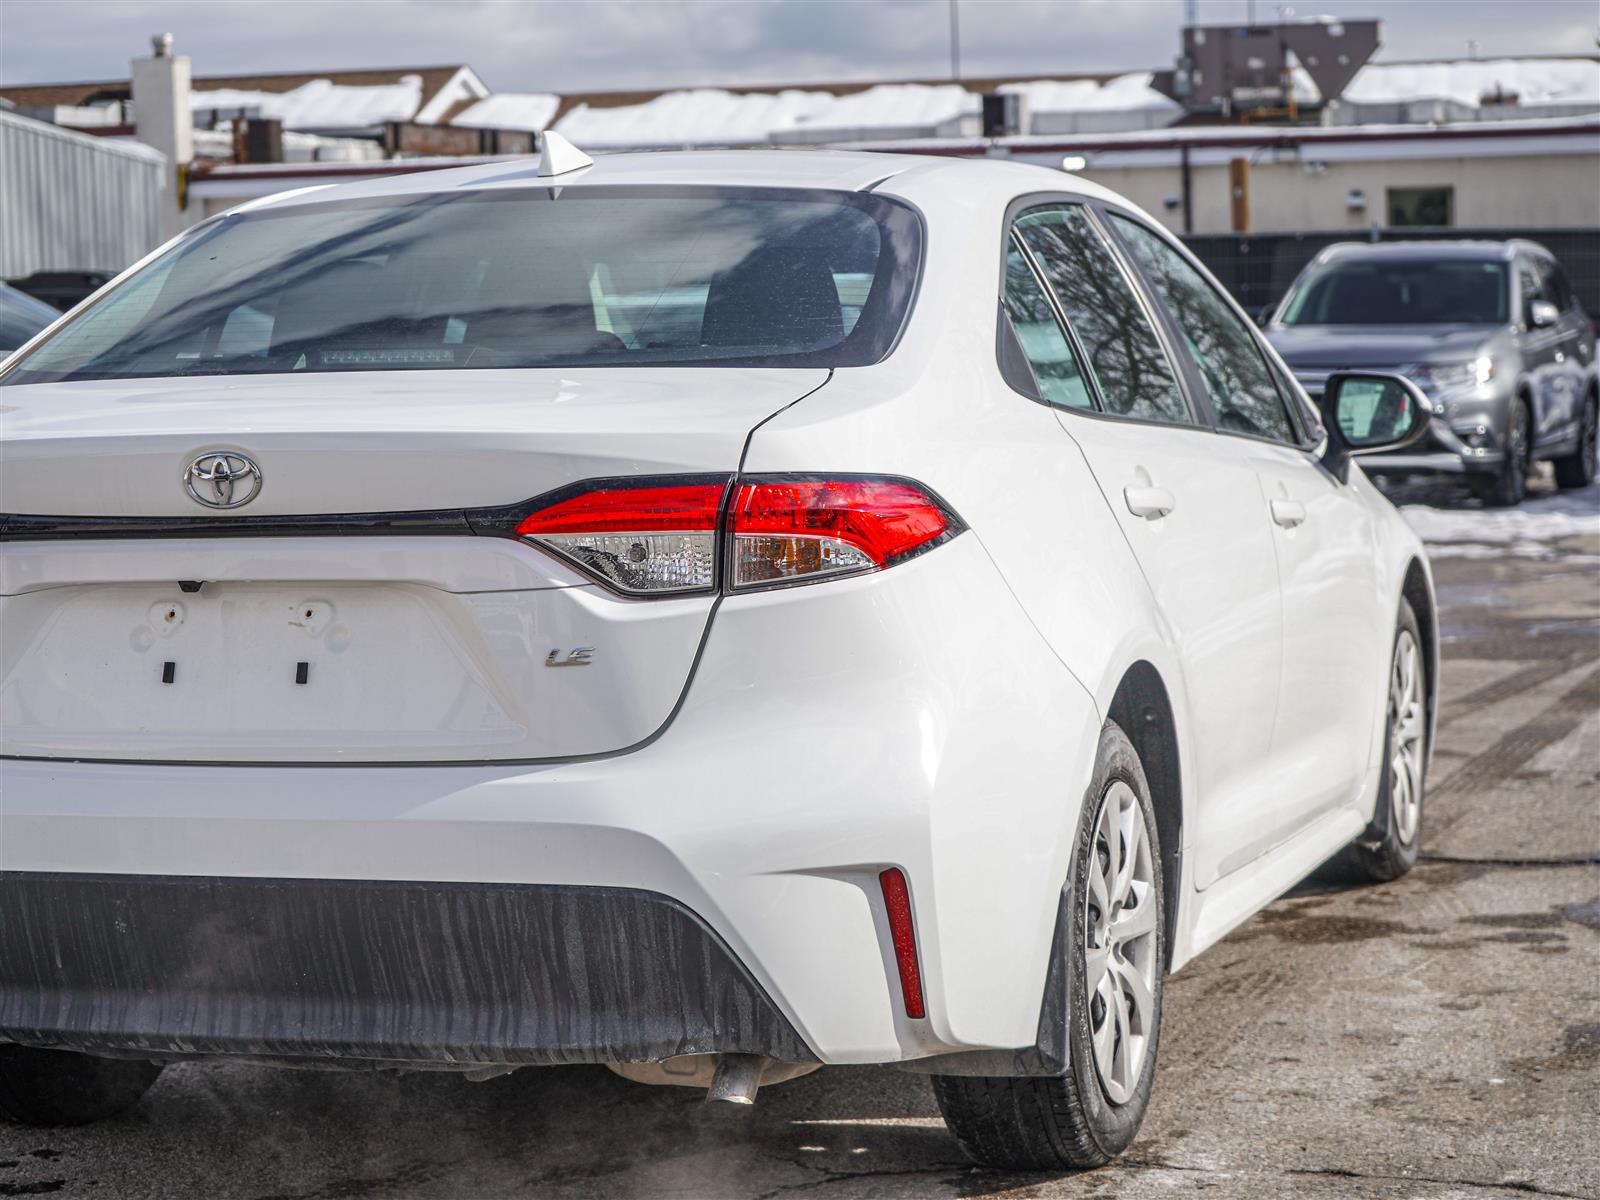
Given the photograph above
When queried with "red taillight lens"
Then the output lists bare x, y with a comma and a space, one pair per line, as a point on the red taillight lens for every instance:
797, 530
658, 536
649, 538
897, 905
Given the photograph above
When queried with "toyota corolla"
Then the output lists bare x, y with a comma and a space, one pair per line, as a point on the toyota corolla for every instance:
713, 615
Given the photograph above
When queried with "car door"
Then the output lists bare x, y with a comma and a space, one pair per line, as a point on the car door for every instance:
1543, 356
1332, 660
1574, 347
1191, 508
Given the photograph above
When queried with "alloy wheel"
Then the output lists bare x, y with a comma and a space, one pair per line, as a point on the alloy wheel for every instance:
1120, 942
1407, 726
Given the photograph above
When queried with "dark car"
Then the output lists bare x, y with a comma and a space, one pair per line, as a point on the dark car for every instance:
1490, 330
21, 316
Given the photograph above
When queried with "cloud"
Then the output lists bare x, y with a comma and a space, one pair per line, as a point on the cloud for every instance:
538, 45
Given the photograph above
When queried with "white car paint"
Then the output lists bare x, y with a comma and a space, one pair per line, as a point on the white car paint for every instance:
940, 716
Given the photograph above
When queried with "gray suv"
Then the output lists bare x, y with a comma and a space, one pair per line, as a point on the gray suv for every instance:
1491, 332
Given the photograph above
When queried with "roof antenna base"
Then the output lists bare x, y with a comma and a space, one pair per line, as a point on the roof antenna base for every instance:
559, 156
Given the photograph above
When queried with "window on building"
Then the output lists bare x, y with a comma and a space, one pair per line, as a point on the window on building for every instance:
1422, 206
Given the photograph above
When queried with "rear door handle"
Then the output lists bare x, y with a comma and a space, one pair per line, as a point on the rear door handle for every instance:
1149, 502
1288, 513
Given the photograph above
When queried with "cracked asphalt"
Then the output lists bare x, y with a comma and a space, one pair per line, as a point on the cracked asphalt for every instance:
1435, 1037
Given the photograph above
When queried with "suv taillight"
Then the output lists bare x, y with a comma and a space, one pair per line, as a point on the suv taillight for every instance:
660, 536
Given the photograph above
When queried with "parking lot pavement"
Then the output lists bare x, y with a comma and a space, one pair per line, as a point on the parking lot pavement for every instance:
1436, 1037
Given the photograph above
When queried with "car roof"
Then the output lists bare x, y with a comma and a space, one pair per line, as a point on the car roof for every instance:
838, 170
1468, 249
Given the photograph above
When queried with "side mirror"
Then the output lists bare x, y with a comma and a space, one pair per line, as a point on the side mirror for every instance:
1264, 314
1369, 410
1542, 313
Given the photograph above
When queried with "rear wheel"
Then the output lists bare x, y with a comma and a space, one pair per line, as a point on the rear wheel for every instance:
1389, 847
61, 1087
1507, 486
1116, 914
1576, 470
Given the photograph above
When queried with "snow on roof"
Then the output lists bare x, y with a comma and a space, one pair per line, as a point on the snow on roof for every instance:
894, 106
702, 116
322, 104
1125, 92
510, 110
1533, 80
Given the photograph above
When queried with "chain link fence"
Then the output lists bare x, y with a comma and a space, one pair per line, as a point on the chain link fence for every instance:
1259, 267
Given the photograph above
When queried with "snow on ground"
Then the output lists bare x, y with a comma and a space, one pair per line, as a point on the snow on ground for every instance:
1527, 531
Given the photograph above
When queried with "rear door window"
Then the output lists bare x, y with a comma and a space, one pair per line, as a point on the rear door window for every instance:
1126, 358
1243, 393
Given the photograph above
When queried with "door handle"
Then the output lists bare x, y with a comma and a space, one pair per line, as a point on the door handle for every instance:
1150, 503
1288, 513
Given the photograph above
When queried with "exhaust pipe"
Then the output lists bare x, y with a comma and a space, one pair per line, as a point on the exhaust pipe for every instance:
737, 1078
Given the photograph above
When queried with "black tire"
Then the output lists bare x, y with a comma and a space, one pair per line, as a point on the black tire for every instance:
61, 1087
1576, 470
1069, 1121
1386, 850
1507, 487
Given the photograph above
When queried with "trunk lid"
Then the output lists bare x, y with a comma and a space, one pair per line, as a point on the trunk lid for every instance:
333, 645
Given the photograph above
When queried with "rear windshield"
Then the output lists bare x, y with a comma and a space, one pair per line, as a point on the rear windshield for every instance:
1401, 292
528, 278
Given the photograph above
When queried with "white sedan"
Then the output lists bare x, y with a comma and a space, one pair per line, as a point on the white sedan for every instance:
714, 615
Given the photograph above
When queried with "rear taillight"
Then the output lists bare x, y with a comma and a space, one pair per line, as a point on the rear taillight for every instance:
660, 536
788, 530
648, 538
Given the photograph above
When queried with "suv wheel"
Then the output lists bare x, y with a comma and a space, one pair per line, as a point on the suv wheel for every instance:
1116, 912
63, 1087
1576, 470
1507, 487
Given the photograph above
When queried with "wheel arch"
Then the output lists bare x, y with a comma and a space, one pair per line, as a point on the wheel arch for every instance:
1142, 707
1417, 590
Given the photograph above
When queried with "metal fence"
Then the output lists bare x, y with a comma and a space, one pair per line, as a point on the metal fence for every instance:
1259, 267
69, 202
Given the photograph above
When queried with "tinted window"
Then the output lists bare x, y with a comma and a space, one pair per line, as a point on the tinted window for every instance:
1127, 361
1235, 371
585, 276
21, 316
1556, 285
1055, 367
1400, 292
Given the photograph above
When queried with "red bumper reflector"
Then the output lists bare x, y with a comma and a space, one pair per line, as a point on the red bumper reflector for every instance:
897, 901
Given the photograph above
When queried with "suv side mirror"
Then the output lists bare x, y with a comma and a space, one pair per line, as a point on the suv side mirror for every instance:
1370, 410
1542, 313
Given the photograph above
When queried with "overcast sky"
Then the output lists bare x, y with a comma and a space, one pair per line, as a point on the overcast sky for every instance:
536, 45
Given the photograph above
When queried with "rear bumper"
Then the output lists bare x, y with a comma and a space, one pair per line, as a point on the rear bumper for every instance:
828, 733
359, 969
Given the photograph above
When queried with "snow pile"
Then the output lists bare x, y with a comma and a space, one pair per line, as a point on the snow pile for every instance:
1125, 93
321, 103
1523, 532
510, 110
1534, 81
703, 116
889, 110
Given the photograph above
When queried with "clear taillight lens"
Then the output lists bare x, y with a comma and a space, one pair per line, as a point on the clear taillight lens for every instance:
646, 539
800, 530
